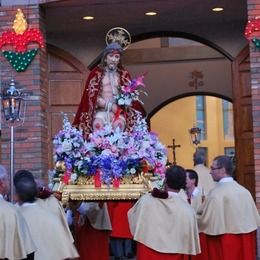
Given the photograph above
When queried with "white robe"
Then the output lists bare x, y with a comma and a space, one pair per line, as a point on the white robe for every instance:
206, 183
54, 206
49, 233
15, 239
165, 225
228, 209
97, 217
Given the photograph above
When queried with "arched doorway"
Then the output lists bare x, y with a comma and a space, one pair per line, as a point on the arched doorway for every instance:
213, 115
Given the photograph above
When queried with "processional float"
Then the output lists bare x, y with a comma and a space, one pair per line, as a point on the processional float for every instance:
109, 164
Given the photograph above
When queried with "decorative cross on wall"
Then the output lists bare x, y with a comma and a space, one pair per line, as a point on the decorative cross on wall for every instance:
197, 79
173, 147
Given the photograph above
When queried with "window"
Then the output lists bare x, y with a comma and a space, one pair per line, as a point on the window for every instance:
200, 115
228, 120
230, 152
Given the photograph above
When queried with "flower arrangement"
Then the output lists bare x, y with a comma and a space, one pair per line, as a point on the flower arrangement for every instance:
70, 149
109, 154
127, 94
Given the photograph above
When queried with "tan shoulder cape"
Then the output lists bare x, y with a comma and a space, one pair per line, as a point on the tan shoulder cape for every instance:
54, 206
165, 225
15, 239
51, 238
197, 199
228, 208
98, 217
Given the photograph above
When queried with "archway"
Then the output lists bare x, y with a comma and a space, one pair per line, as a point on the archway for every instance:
213, 115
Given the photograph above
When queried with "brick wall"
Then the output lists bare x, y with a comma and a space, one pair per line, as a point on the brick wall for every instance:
253, 11
30, 139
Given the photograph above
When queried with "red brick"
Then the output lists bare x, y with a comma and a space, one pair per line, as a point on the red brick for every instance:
31, 137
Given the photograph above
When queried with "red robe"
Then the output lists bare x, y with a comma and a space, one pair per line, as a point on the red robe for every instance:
144, 253
87, 107
119, 221
91, 243
227, 246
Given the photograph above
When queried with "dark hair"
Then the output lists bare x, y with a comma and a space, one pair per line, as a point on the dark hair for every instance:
225, 162
114, 46
193, 176
175, 177
25, 186
199, 157
22, 174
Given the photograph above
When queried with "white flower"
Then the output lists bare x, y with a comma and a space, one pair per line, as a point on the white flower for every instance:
121, 102
128, 101
73, 177
75, 144
66, 146
132, 170
106, 152
67, 135
145, 144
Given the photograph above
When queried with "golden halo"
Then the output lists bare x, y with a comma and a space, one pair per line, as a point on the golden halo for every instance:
119, 35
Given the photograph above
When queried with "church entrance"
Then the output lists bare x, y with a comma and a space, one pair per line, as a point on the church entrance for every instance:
175, 68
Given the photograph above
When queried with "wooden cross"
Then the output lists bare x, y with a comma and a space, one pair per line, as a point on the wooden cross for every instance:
173, 147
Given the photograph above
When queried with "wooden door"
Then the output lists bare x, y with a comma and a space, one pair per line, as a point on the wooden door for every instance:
66, 76
243, 121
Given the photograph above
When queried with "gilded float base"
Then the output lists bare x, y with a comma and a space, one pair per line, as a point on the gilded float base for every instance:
129, 189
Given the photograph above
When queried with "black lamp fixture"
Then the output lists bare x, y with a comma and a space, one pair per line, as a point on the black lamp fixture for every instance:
195, 135
14, 111
12, 102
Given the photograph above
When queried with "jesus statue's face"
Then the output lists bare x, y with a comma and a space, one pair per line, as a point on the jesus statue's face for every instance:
112, 60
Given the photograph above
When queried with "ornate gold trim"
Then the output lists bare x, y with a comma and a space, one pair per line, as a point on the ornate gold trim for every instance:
130, 188
90, 193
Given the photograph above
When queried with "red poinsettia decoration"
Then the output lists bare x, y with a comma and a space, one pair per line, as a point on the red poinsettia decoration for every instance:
253, 26
252, 30
19, 40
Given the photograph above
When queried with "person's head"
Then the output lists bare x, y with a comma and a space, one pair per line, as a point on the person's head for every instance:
25, 186
199, 157
191, 178
112, 56
21, 174
175, 178
221, 167
4, 181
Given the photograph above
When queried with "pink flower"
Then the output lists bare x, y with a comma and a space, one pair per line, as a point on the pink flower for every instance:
138, 82
113, 148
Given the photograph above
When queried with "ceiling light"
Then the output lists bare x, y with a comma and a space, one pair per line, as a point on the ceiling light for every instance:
88, 17
217, 9
150, 13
